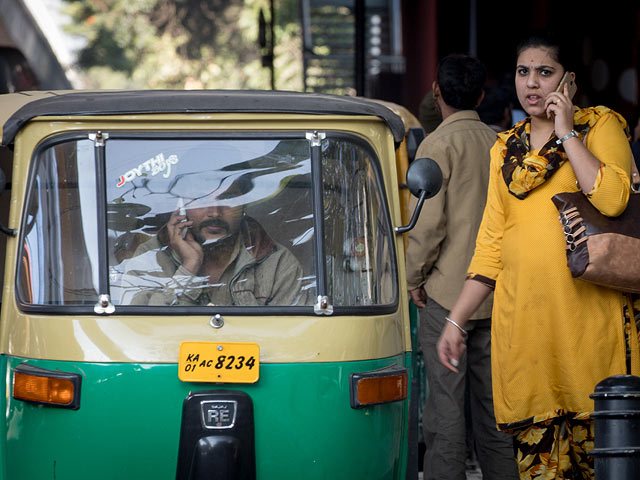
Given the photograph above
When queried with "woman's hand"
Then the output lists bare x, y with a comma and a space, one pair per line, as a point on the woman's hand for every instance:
185, 246
559, 106
450, 347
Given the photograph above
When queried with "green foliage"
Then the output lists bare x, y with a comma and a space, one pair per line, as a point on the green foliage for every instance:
183, 43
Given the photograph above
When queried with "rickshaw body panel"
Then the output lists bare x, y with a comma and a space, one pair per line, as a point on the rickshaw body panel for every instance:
128, 423
158, 337
129, 420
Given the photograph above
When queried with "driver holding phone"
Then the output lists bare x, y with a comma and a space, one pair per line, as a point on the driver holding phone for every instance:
211, 253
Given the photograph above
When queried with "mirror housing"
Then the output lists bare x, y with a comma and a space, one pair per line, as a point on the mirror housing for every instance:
424, 179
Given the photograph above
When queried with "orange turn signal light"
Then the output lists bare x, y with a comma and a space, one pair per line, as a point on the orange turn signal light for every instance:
48, 387
389, 384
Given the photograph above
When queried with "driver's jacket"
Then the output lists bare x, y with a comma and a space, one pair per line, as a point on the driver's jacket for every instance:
263, 272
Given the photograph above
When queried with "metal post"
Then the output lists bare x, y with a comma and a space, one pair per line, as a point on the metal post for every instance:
360, 53
617, 428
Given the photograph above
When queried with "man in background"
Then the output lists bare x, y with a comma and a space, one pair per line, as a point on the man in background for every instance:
440, 248
496, 108
427, 114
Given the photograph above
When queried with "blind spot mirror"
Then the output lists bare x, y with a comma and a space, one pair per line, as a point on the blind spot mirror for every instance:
424, 179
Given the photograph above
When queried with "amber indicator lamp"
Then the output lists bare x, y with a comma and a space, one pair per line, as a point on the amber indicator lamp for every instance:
389, 384
46, 387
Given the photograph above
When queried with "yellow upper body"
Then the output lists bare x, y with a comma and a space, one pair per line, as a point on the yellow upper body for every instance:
553, 337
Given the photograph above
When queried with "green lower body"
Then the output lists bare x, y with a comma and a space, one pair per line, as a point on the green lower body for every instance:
128, 424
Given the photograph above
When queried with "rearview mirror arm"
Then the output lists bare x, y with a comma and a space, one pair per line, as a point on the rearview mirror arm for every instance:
416, 213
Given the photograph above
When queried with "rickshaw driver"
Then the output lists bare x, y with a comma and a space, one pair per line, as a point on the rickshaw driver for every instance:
214, 254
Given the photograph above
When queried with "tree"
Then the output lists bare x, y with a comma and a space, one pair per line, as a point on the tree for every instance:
183, 43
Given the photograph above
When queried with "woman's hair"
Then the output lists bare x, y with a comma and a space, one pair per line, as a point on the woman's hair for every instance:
552, 42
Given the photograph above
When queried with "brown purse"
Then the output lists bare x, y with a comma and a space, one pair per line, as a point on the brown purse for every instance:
600, 249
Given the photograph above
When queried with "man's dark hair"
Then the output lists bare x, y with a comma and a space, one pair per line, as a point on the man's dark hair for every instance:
461, 79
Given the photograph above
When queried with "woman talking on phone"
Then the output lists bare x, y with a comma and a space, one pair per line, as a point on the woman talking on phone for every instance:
553, 337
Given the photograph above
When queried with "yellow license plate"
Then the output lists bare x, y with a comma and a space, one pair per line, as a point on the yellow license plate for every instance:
219, 362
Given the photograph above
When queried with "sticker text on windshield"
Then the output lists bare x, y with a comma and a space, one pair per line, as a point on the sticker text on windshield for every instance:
153, 166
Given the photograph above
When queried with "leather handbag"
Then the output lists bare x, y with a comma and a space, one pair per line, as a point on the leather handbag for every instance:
600, 249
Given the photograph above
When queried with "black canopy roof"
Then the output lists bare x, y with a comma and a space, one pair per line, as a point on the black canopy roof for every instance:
28, 105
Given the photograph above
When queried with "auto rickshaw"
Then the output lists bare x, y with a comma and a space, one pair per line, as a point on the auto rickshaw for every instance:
284, 354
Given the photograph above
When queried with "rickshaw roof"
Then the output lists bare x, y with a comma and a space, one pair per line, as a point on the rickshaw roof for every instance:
16, 109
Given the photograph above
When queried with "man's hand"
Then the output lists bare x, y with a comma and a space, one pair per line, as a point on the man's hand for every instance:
187, 248
419, 297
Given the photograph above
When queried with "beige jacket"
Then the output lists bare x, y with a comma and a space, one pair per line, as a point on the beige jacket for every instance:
441, 245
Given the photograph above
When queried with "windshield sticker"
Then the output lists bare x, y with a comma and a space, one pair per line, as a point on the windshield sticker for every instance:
154, 165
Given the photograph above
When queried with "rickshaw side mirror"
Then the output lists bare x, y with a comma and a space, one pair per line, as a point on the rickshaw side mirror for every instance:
424, 179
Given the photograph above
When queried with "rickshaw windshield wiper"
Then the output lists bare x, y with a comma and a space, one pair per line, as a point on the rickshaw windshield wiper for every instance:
322, 306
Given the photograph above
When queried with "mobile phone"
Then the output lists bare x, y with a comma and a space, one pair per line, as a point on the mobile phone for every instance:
183, 212
566, 78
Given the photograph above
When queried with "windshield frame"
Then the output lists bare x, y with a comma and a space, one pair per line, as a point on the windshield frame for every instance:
201, 134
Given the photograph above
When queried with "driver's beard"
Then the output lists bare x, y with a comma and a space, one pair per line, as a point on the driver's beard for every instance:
210, 241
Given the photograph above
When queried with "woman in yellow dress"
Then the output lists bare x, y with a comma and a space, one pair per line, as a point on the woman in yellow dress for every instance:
553, 337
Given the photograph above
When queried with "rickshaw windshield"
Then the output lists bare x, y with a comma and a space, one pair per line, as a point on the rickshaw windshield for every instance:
204, 221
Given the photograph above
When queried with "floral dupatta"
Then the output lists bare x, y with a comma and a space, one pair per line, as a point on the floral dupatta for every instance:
524, 170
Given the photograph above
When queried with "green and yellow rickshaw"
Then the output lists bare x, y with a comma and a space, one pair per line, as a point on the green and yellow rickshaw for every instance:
204, 284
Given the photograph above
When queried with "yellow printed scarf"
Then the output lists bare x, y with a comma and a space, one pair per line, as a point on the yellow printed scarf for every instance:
523, 170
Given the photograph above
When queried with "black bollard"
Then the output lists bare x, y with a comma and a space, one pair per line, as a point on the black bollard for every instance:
617, 428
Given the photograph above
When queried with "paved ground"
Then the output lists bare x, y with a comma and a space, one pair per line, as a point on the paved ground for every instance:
473, 472
471, 475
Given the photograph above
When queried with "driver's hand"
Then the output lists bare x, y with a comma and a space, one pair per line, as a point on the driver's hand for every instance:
187, 248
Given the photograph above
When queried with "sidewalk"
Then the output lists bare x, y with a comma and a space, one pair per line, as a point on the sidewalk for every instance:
471, 475
473, 472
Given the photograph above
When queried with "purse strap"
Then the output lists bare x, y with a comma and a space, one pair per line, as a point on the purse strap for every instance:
635, 176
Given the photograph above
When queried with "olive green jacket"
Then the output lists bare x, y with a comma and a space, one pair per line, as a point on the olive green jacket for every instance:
262, 273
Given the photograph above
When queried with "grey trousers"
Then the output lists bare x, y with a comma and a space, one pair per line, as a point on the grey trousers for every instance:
443, 420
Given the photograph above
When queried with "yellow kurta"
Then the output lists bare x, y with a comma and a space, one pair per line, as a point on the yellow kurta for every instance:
553, 337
